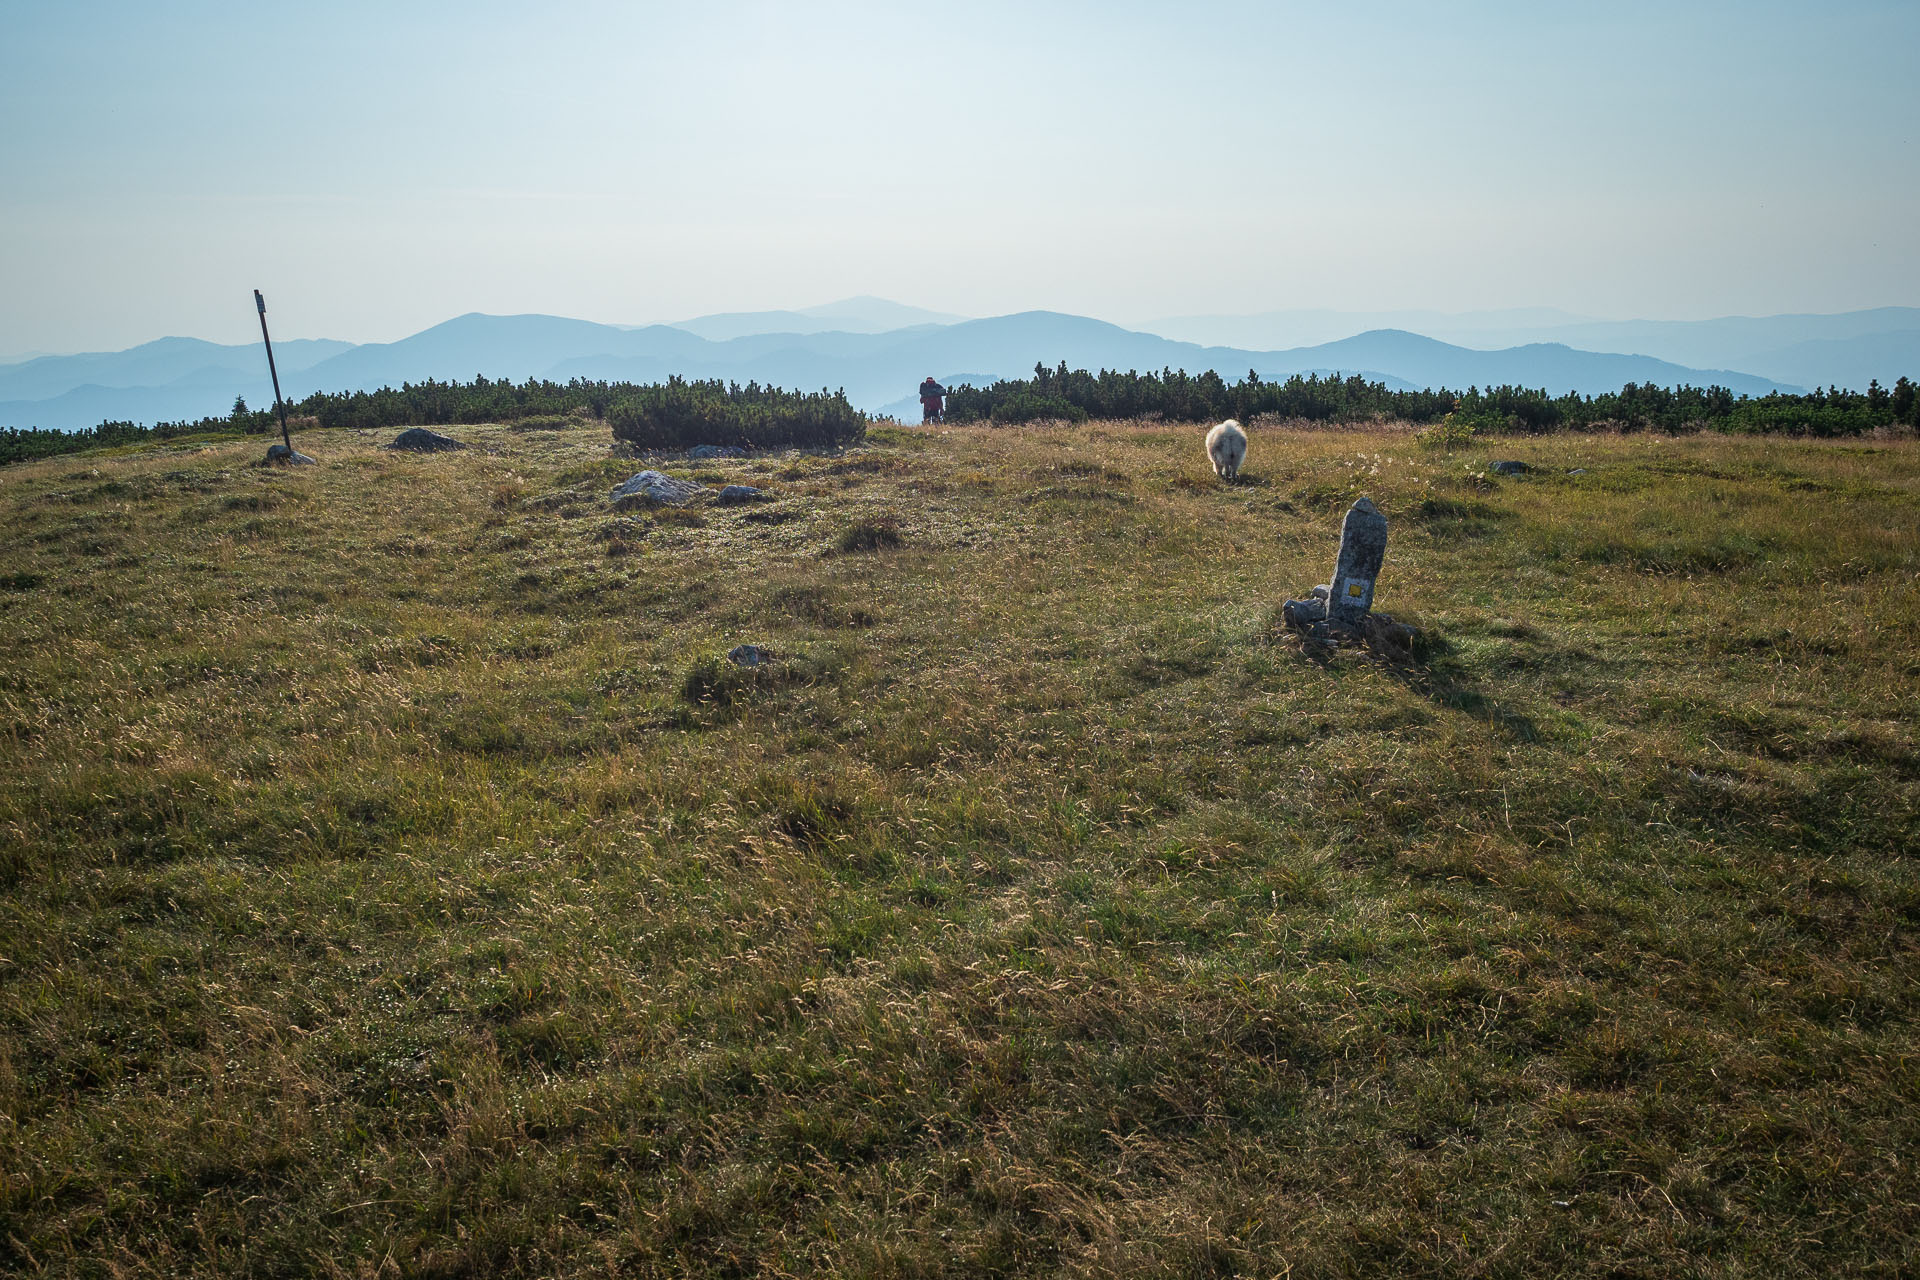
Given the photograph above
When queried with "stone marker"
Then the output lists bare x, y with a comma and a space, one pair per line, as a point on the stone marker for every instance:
421, 440
280, 453
1363, 545
659, 488
1341, 606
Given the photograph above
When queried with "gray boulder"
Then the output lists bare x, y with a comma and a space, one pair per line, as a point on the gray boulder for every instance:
738, 493
281, 455
749, 655
421, 440
653, 486
1509, 467
716, 451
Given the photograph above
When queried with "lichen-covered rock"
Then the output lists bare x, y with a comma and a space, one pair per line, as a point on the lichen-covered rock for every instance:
749, 655
1509, 467
281, 455
653, 486
737, 493
421, 440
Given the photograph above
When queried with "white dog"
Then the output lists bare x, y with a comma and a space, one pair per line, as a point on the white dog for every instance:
1227, 447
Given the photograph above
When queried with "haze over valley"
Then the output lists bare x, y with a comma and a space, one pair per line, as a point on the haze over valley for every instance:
878, 350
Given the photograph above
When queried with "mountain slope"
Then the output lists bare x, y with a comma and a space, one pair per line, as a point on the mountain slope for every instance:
516, 347
1302, 327
1847, 362
1848, 348
1558, 368
157, 364
1749, 342
849, 315
875, 369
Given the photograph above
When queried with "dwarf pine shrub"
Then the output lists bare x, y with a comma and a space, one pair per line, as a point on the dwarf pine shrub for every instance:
677, 414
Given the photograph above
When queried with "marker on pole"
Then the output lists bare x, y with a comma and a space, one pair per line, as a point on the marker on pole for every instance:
285, 437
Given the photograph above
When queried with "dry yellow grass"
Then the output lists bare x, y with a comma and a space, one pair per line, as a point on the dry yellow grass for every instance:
396, 882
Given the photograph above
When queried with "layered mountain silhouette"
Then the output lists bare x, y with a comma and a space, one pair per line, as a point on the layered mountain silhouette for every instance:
850, 315
1849, 349
879, 351
165, 380
154, 364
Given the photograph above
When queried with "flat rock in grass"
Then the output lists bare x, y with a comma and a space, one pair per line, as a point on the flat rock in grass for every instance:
421, 440
1509, 467
716, 451
738, 493
281, 455
653, 486
749, 655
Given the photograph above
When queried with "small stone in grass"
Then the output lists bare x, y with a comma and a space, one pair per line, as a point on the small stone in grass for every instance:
749, 655
736, 493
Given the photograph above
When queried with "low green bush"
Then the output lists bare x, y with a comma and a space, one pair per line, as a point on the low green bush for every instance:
679, 414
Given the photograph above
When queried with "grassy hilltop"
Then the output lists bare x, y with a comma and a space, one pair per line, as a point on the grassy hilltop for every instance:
395, 880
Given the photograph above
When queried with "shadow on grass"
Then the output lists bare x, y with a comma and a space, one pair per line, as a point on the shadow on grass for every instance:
1434, 671
1432, 668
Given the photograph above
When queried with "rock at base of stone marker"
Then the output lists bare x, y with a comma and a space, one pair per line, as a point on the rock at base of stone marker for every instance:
281, 455
421, 440
1304, 615
653, 486
1509, 467
1376, 631
749, 655
737, 493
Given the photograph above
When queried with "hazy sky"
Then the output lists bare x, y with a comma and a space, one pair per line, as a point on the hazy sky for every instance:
376, 168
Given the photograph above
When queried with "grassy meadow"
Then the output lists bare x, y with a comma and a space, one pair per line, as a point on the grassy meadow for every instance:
395, 879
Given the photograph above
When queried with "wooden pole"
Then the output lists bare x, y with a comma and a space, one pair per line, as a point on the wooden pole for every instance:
285, 437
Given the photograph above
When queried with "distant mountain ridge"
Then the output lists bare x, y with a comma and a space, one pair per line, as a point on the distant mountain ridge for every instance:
179, 378
849, 315
155, 363
1847, 349
1311, 326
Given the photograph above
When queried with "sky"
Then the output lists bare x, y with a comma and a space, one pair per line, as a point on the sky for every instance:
377, 168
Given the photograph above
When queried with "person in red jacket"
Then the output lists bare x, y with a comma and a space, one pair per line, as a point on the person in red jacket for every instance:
931, 407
